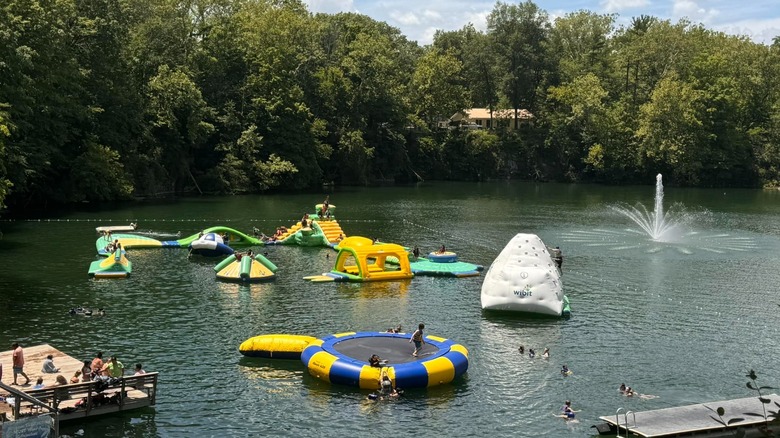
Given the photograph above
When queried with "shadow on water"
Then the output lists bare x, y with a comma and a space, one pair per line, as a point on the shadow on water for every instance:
138, 423
515, 318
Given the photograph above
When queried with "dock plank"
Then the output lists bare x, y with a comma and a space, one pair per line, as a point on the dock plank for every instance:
692, 418
33, 362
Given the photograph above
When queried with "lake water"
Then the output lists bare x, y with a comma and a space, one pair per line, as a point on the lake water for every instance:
683, 321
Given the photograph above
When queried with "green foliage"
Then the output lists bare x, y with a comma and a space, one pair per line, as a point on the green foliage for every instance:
5, 184
770, 417
231, 96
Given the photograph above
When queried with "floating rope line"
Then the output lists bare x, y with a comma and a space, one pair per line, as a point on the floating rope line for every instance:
143, 220
452, 236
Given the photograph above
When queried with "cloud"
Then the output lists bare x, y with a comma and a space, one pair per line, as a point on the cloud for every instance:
331, 6
404, 18
619, 5
692, 10
758, 30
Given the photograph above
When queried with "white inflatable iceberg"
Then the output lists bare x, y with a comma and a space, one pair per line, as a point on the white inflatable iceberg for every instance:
524, 278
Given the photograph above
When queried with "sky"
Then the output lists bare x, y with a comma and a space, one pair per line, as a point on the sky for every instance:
419, 19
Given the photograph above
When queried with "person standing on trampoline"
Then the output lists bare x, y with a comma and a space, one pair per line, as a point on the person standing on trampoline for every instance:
417, 338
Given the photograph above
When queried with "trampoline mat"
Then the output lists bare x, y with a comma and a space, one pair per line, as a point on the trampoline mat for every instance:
393, 349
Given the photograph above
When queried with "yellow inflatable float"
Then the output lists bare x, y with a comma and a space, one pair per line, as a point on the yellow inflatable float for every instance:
277, 346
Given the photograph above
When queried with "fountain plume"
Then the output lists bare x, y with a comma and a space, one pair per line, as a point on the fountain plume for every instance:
660, 226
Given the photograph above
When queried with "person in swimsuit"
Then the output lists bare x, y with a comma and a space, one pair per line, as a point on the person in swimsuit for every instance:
417, 338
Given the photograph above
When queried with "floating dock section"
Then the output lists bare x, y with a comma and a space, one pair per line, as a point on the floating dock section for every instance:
66, 402
693, 420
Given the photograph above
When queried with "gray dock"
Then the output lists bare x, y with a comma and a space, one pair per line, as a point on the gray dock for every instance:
693, 419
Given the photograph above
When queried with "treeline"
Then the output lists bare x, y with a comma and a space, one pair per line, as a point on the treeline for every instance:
109, 99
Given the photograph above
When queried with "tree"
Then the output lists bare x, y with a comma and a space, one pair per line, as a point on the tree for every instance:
671, 132
519, 34
436, 87
178, 123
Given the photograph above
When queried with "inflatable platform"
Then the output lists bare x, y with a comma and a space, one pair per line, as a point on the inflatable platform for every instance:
210, 245
234, 238
276, 346
343, 359
359, 259
246, 269
116, 228
427, 267
116, 265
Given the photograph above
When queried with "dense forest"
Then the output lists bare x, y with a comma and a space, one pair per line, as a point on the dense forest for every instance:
111, 99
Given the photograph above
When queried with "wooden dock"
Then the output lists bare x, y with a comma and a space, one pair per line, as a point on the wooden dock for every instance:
693, 419
72, 401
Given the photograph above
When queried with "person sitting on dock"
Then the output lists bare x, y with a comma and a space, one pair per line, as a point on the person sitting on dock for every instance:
139, 369
97, 364
48, 365
76, 377
86, 372
39, 384
113, 368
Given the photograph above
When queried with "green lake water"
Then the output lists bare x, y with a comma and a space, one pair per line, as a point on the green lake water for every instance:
682, 320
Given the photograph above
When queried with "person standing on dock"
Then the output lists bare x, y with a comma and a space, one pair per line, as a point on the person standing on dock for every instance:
18, 363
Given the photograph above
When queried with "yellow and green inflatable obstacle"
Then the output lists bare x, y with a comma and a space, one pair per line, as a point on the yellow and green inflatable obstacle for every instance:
247, 269
114, 266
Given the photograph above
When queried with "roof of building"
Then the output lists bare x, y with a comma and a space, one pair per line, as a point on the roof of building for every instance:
484, 113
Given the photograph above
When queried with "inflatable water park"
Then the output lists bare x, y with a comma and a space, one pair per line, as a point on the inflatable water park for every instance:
525, 278
361, 259
345, 358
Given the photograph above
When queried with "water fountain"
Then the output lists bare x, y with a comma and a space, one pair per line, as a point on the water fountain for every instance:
660, 226
660, 230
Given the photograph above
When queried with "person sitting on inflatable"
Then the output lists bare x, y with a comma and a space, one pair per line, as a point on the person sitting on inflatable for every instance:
374, 361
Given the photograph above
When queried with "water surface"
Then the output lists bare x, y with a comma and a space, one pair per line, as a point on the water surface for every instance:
683, 321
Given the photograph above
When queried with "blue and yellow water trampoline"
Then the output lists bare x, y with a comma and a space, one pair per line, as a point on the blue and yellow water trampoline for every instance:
343, 359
